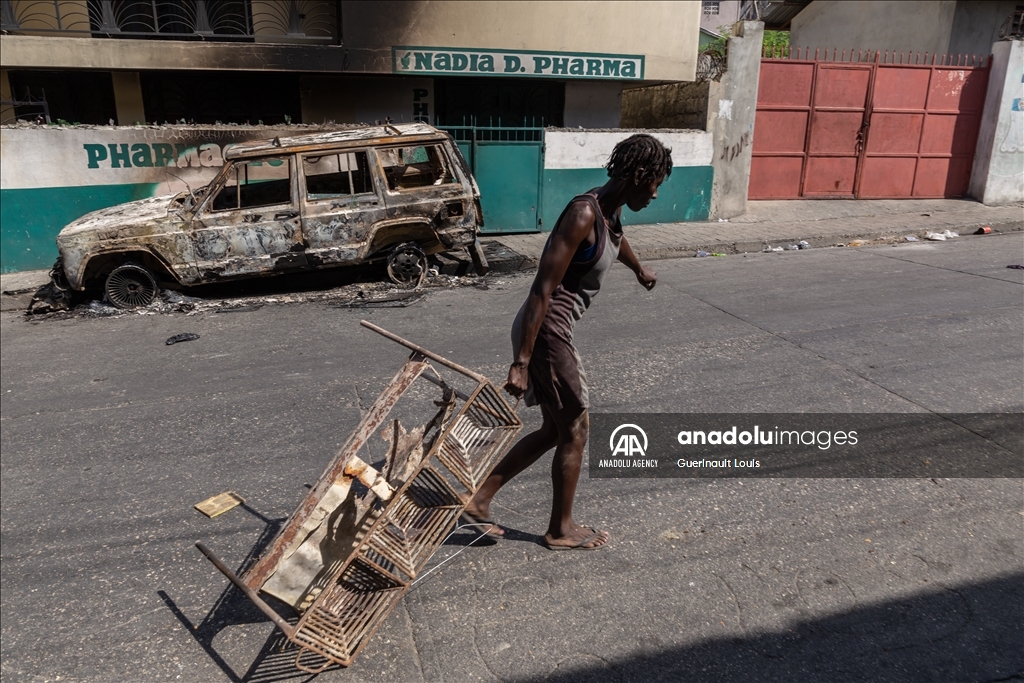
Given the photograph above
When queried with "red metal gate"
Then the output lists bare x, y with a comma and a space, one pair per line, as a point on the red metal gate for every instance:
872, 126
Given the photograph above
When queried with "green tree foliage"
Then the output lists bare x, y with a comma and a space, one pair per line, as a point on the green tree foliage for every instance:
773, 41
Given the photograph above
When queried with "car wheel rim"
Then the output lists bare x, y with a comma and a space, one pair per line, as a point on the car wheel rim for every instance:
130, 287
407, 265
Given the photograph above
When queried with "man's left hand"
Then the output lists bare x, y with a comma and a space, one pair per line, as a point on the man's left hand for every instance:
647, 277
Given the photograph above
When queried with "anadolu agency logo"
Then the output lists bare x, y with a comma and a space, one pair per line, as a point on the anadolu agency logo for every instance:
628, 446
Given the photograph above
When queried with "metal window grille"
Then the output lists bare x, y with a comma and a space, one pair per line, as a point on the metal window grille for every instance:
307, 21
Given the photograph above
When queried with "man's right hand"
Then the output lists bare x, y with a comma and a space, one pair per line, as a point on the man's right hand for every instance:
517, 379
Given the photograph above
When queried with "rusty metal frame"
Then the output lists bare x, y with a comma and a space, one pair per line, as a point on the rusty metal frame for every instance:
361, 591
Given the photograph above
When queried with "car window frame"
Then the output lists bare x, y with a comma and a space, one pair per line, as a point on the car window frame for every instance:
218, 184
371, 161
445, 157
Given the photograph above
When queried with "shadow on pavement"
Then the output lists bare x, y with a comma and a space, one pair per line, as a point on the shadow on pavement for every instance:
284, 283
276, 659
972, 633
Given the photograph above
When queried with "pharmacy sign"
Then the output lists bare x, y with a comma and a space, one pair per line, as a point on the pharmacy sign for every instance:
455, 61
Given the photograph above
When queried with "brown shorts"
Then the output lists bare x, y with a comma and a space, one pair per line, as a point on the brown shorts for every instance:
556, 376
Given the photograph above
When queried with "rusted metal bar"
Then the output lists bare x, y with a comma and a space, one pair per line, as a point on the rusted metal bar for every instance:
424, 352
287, 628
444, 385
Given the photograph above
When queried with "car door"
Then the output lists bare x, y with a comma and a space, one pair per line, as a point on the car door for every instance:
341, 201
420, 179
250, 223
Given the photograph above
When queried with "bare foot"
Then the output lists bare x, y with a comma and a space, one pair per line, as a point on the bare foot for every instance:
580, 538
480, 516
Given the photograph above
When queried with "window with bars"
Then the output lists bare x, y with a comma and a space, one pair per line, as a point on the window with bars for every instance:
710, 7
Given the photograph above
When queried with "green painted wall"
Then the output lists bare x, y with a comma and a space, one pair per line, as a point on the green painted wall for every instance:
30, 219
685, 196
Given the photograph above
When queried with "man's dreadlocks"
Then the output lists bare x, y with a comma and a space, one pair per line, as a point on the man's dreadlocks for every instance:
636, 152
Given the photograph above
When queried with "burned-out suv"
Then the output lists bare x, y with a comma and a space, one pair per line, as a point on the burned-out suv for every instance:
393, 193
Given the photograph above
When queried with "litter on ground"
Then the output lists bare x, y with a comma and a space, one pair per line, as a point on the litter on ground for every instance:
219, 504
183, 337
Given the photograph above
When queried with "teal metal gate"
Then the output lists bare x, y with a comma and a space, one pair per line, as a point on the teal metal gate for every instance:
508, 164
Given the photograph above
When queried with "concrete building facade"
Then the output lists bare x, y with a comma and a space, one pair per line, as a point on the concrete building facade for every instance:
307, 60
717, 15
998, 173
129, 69
966, 27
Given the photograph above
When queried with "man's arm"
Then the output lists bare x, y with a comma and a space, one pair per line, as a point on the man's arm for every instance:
645, 276
571, 232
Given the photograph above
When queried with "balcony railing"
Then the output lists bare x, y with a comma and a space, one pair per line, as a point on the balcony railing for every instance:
290, 21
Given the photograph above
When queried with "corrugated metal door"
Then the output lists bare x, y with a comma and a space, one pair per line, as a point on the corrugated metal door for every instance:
871, 127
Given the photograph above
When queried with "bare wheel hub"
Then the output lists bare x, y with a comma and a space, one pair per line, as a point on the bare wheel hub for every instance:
407, 265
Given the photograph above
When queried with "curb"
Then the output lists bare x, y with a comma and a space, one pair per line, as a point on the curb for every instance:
514, 261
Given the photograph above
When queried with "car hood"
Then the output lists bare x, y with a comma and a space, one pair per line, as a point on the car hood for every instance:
119, 221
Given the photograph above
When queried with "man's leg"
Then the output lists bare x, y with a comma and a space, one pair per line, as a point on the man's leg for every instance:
526, 452
573, 428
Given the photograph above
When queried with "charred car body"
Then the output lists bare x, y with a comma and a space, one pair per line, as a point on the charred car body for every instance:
395, 192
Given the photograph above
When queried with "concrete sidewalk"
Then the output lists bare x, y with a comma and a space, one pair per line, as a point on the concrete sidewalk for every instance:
821, 223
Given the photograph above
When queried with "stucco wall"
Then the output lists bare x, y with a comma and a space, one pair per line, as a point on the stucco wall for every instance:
673, 105
911, 25
998, 173
732, 105
574, 163
724, 108
728, 14
665, 32
976, 25
52, 175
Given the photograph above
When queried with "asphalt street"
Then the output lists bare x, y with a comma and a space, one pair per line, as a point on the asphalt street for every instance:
109, 437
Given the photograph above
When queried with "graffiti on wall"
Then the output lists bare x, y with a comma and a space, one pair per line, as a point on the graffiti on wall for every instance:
1013, 141
730, 152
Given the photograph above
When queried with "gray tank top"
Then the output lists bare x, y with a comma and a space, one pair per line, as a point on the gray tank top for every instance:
582, 280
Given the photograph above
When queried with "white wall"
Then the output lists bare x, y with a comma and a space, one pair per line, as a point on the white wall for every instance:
998, 173
80, 156
567, 149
